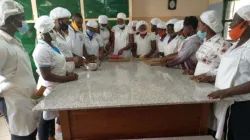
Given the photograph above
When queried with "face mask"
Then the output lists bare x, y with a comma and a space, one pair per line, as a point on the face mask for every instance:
64, 26
202, 35
182, 37
102, 28
90, 33
121, 25
237, 31
162, 33
24, 29
53, 36
76, 28
143, 33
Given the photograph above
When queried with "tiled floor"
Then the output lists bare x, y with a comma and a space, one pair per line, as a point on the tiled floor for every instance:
4, 131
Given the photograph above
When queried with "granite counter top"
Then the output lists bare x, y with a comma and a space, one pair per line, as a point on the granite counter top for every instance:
125, 85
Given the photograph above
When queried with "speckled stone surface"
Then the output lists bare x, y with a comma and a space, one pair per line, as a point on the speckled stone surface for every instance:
126, 84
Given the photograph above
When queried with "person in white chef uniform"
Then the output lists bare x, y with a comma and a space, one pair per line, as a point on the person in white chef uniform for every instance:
233, 81
162, 41
105, 32
93, 41
154, 23
120, 36
17, 83
51, 64
61, 18
132, 33
145, 43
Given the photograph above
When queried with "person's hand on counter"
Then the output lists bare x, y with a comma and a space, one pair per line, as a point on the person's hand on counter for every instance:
78, 61
120, 52
188, 72
220, 94
72, 76
203, 78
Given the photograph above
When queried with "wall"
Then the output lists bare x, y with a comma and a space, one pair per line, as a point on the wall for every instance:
215, 1
147, 9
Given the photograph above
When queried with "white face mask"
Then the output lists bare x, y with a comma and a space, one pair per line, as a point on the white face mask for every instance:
53, 36
121, 25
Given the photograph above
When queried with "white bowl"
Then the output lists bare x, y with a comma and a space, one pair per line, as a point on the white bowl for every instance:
92, 66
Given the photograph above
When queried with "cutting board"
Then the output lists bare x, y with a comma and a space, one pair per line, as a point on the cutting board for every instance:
119, 60
153, 62
140, 59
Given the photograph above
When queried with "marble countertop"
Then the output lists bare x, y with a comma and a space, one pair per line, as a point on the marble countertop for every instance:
126, 84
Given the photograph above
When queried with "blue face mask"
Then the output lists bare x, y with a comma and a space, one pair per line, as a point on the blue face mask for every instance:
182, 37
90, 33
202, 35
24, 29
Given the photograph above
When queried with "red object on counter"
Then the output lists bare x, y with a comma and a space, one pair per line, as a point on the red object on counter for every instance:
115, 57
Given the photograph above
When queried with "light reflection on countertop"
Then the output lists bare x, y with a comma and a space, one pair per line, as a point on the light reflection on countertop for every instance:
126, 84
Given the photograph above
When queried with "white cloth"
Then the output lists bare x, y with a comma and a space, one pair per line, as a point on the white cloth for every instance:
132, 23
162, 43
161, 25
45, 56
178, 26
210, 53
244, 12
155, 21
212, 19
102, 19
65, 47
76, 40
17, 85
233, 71
92, 23
140, 23
59, 12
144, 44
93, 46
105, 34
172, 21
121, 16
44, 24
171, 47
9, 8
121, 41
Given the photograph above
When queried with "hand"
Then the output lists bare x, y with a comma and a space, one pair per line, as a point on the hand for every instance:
162, 60
120, 52
145, 56
188, 72
220, 94
203, 79
72, 76
91, 58
78, 61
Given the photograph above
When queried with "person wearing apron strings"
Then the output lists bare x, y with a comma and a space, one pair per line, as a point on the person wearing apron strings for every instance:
51, 64
145, 43
120, 36
17, 83
232, 78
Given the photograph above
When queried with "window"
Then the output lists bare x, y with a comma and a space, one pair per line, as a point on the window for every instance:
231, 6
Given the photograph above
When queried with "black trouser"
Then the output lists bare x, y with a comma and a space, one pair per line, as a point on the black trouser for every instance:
32, 136
3, 108
46, 128
239, 121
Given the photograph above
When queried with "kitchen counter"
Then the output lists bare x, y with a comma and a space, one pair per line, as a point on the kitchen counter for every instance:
126, 85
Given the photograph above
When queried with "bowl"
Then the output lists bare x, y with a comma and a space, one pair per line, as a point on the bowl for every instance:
92, 66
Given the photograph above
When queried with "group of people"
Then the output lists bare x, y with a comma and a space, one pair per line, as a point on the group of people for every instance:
194, 45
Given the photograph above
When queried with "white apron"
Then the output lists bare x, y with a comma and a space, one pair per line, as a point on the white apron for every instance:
143, 45
225, 75
121, 41
171, 47
22, 120
59, 69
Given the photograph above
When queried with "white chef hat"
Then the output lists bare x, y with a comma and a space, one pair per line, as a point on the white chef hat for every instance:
211, 18
9, 8
44, 24
172, 21
155, 21
178, 25
244, 12
102, 19
132, 23
92, 23
141, 23
121, 15
161, 25
59, 12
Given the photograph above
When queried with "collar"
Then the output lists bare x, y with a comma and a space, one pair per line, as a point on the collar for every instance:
214, 38
7, 37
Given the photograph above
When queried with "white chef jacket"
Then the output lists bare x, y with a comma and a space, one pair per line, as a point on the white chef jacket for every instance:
171, 47
65, 47
210, 53
93, 46
121, 41
105, 34
76, 41
17, 85
144, 44
162, 43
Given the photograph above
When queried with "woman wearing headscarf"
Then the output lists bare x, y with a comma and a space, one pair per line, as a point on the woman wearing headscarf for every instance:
214, 45
232, 78
52, 69
145, 43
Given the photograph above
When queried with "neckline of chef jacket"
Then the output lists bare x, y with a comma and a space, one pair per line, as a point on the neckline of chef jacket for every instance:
53, 47
247, 44
10, 39
61, 36
213, 38
144, 37
87, 36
